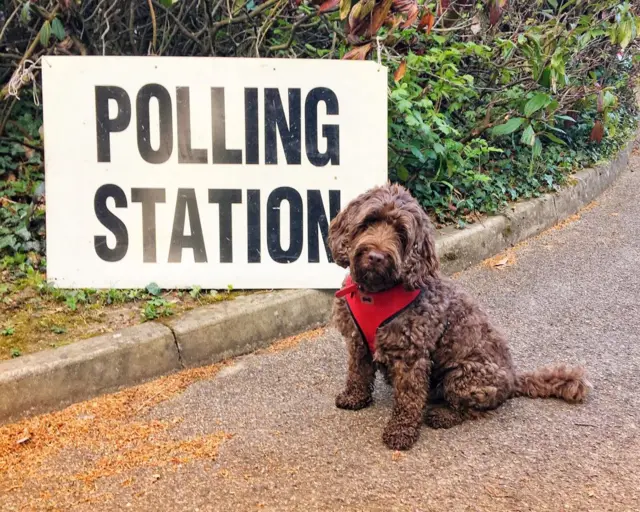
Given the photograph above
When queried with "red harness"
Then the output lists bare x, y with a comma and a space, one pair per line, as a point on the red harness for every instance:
371, 310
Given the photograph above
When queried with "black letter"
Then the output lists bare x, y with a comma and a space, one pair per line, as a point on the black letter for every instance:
295, 225
253, 225
225, 198
187, 202
111, 222
187, 154
165, 149
104, 124
220, 153
274, 118
316, 217
251, 133
330, 132
148, 197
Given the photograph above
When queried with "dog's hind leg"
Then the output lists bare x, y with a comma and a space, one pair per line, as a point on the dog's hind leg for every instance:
468, 391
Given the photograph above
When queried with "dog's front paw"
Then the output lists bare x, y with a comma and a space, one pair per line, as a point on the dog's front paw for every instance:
400, 437
353, 401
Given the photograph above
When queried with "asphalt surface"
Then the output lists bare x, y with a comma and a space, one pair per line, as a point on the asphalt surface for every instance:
571, 295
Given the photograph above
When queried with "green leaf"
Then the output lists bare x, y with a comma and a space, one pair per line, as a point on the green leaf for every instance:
553, 3
153, 289
58, 29
45, 33
509, 127
609, 99
553, 138
528, 136
402, 173
418, 154
540, 100
537, 147
166, 3
25, 13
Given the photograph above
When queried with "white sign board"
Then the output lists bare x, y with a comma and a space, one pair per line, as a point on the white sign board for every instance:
205, 172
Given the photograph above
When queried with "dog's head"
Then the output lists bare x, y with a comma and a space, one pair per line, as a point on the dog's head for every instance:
385, 238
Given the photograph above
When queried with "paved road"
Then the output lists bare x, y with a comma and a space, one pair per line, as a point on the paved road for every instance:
271, 438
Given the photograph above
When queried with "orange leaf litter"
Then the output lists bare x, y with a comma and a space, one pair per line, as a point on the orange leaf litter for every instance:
110, 428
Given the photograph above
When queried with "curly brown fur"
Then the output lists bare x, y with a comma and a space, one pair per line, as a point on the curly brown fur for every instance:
444, 350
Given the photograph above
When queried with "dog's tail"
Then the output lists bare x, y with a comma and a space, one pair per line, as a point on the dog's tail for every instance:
566, 383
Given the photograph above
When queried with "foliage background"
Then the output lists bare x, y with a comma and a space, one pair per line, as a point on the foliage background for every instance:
489, 101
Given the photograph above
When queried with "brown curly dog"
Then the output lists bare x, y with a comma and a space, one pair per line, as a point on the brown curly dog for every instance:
442, 350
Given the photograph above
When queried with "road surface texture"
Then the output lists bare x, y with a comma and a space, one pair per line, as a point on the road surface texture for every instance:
262, 432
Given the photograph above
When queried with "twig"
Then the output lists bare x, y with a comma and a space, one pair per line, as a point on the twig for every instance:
296, 25
245, 17
8, 22
154, 24
182, 28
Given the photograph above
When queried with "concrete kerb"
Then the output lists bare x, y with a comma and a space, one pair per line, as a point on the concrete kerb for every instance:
53, 379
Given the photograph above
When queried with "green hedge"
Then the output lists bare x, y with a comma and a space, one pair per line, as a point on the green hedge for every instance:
489, 102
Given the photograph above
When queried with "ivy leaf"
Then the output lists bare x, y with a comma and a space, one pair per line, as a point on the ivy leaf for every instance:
528, 136
509, 127
540, 100
402, 173
45, 33
58, 29
418, 154
153, 289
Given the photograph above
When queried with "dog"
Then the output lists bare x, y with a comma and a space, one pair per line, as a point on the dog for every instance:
435, 346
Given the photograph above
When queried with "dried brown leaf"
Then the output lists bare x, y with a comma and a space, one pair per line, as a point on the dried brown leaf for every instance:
597, 132
358, 53
426, 22
412, 16
345, 7
402, 69
380, 13
328, 5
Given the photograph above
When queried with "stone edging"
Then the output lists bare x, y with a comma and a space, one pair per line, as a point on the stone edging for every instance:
52, 379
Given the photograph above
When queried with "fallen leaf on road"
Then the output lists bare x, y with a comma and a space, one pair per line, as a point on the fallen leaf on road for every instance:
501, 263
396, 456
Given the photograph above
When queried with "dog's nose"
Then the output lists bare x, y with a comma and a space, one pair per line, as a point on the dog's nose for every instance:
375, 257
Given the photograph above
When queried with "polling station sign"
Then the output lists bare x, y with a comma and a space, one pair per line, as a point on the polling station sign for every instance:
205, 172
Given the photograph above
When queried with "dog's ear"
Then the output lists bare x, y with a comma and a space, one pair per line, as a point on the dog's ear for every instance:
340, 232
342, 226
421, 260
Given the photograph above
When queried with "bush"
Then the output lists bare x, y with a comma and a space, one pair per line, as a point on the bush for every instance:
489, 101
